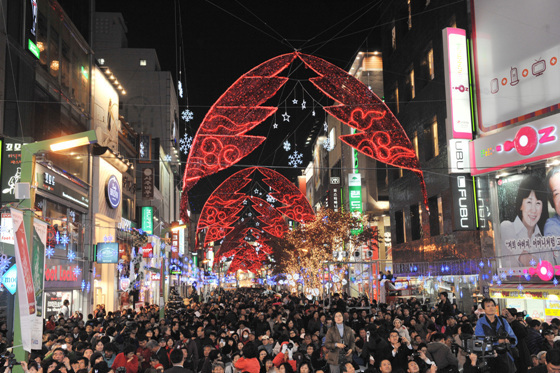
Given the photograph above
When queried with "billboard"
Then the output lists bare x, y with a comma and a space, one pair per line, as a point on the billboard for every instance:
355, 193
515, 50
529, 208
147, 222
106, 121
516, 146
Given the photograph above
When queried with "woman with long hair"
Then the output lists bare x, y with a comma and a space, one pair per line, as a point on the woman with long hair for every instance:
528, 223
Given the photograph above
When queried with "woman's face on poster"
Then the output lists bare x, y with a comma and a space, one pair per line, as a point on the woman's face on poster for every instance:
531, 210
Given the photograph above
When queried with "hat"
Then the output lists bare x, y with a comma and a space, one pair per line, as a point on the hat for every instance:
513, 311
547, 332
265, 337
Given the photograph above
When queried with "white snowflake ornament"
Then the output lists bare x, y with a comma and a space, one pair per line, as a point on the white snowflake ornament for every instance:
296, 159
187, 115
287, 146
185, 143
270, 199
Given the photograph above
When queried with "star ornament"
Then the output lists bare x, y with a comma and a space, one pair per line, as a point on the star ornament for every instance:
294, 101
275, 125
286, 117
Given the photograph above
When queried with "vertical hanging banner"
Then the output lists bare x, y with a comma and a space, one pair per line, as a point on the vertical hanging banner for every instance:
26, 293
38, 261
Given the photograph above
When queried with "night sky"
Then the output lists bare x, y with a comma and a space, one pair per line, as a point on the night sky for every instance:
223, 39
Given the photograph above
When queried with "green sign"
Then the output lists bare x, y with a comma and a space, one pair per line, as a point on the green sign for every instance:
148, 219
33, 48
355, 192
85, 73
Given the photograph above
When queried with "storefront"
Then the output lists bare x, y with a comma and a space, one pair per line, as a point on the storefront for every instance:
538, 301
107, 217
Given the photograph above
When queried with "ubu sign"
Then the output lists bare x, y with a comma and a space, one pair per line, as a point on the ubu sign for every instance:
458, 151
113, 190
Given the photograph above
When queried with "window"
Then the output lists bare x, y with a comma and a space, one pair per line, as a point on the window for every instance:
409, 14
415, 222
394, 35
436, 216
143, 63
399, 227
431, 144
428, 65
410, 83
415, 144
396, 98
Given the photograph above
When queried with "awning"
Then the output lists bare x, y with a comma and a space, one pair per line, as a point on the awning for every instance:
526, 291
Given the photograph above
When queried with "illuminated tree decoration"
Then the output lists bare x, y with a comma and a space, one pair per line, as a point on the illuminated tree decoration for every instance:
221, 140
221, 210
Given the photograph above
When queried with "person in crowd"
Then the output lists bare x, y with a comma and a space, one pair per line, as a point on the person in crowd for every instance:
340, 340
177, 360
491, 325
441, 354
534, 338
127, 360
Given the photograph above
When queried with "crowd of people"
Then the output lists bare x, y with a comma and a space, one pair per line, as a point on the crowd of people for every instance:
248, 331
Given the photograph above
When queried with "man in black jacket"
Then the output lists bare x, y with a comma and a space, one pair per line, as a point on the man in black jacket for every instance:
524, 360
159, 351
397, 352
177, 358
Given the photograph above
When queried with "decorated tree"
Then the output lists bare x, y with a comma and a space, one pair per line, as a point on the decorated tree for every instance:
303, 250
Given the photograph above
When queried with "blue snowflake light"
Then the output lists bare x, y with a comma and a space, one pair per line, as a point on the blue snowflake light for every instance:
77, 271
64, 239
57, 237
287, 146
532, 262
71, 255
481, 264
83, 284
49, 252
120, 267
555, 281
88, 286
168, 158
520, 287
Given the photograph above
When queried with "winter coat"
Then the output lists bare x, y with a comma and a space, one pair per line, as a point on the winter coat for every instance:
442, 355
333, 337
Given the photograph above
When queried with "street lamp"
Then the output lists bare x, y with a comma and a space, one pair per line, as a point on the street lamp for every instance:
28, 158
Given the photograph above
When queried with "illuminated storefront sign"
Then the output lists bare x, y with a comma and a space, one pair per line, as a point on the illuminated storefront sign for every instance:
148, 219
464, 217
459, 123
52, 182
515, 146
9, 279
355, 192
458, 150
113, 192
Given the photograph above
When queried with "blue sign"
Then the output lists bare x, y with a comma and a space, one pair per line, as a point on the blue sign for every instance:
9, 279
113, 190
108, 252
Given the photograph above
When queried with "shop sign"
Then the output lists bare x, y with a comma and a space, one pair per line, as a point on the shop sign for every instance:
11, 169
155, 276
516, 146
462, 191
148, 219
148, 183
53, 183
107, 252
458, 156
113, 192
537, 295
125, 224
7, 231
61, 273
9, 279
145, 148
355, 192
125, 283
459, 123
147, 251
552, 312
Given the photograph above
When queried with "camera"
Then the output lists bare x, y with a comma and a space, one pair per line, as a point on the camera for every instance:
11, 359
121, 370
290, 346
416, 354
484, 347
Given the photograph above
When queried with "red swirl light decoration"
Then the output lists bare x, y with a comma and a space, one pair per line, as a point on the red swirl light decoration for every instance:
221, 140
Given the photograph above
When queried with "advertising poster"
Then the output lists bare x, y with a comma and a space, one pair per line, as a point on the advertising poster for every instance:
38, 261
26, 293
105, 111
53, 301
529, 207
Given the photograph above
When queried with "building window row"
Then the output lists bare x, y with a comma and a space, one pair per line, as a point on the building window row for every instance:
435, 220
